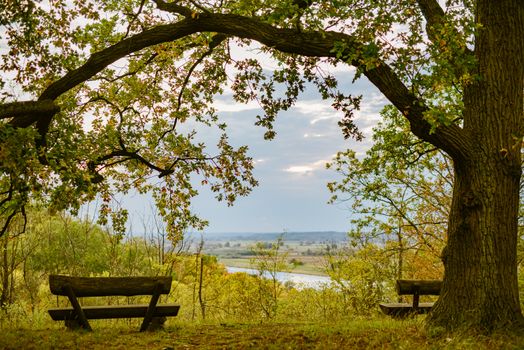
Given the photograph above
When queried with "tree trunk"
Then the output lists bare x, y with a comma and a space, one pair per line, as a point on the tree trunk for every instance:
480, 288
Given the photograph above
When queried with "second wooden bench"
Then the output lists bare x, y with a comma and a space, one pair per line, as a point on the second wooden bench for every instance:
415, 288
74, 287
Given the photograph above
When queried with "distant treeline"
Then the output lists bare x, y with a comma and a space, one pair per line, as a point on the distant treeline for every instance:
319, 236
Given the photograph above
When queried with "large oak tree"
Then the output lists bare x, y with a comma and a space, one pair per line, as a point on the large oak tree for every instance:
95, 94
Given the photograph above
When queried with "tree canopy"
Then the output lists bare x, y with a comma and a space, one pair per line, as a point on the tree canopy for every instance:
96, 94
86, 67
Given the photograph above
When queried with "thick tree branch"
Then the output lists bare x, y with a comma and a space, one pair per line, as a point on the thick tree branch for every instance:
134, 155
26, 111
126, 155
451, 139
131, 72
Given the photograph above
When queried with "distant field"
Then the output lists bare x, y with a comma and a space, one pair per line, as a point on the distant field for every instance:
319, 236
310, 267
237, 253
235, 249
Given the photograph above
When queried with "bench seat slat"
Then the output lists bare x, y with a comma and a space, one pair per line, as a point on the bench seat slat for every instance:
108, 286
115, 311
422, 287
402, 309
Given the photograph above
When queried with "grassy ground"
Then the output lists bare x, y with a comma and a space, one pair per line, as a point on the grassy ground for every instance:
378, 334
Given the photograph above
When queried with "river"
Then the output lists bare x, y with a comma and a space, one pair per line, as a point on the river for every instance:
298, 279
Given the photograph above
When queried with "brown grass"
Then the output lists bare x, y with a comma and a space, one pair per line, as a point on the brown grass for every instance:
370, 334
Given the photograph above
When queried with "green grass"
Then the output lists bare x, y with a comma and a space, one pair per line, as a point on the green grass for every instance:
374, 334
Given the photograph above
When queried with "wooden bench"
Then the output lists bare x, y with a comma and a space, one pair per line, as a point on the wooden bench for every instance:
77, 316
415, 288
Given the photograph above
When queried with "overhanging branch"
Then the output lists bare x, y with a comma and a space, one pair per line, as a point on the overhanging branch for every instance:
451, 139
125, 155
24, 111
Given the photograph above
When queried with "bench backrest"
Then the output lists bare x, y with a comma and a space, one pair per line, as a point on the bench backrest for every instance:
107, 286
420, 287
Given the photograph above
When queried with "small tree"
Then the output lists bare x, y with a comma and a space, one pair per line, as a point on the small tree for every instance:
269, 260
400, 195
364, 277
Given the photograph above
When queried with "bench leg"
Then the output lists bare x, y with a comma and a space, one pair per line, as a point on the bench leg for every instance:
81, 317
416, 299
151, 308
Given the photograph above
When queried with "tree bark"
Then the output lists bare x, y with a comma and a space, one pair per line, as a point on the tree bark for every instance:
480, 284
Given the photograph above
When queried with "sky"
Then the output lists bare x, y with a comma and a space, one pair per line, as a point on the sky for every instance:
292, 194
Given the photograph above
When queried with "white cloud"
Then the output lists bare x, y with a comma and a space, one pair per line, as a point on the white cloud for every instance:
299, 169
338, 68
324, 118
307, 168
253, 51
307, 135
233, 106
319, 110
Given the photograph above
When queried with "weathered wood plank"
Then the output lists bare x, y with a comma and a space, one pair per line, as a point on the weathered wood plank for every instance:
114, 311
420, 287
107, 286
404, 309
